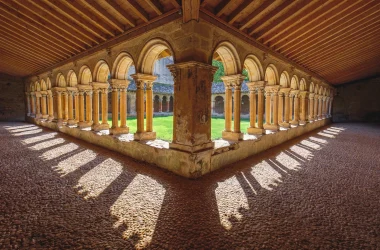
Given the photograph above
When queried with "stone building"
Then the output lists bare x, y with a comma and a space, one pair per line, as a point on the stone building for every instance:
293, 179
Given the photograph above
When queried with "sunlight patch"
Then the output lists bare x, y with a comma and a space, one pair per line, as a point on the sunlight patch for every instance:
39, 138
30, 132
74, 162
304, 153
47, 144
266, 175
230, 198
326, 135
138, 208
95, 181
59, 151
311, 144
288, 162
318, 140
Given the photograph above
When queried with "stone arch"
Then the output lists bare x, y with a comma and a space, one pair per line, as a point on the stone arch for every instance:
227, 53
271, 75
37, 86
219, 104
245, 104
31, 87
102, 71
85, 75
61, 82
320, 90
156, 103
303, 85
121, 65
153, 50
311, 87
253, 66
316, 90
43, 85
284, 80
72, 79
294, 83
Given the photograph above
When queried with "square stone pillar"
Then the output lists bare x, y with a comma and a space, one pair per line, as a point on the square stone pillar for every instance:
141, 81
235, 82
192, 109
256, 110
119, 87
284, 106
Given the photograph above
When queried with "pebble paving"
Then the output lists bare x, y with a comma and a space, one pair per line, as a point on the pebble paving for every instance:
318, 191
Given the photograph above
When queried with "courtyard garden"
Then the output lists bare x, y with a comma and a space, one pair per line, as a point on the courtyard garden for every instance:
163, 126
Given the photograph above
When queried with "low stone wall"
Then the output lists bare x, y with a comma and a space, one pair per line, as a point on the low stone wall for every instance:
183, 163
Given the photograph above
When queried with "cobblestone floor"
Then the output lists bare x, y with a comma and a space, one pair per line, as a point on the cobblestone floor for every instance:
319, 191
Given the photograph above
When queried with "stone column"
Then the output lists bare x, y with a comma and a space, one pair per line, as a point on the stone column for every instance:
50, 105
43, 105
284, 107
160, 104
275, 108
71, 92
95, 109
253, 108
105, 124
65, 106
296, 111
100, 88
38, 105
141, 80
291, 107
85, 100
330, 105
32, 104
76, 104
119, 87
260, 109
316, 98
59, 106
268, 97
192, 123
280, 107
81, 107
232, 81
320, 107
89, 120
311, 107
271, 92
304, 98
28, 108
168, 104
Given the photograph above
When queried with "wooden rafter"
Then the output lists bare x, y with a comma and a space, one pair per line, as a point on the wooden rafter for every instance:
156, 6
239, 11
190, 10
140, 12
222, 7
252, 17
122, 13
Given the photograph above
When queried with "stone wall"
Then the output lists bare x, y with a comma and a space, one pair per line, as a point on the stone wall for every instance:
358, 101
12, 95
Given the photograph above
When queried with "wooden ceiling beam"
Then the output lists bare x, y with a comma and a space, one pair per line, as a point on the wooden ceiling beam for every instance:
175, 4
65, 11
190, 10
136, 8
25, 61
222, 7
22, 35
254, 15
14, 22
300, 38
40, 24
88, 15
122, 13
156, 6
287, 4
239, 11
62, 22
17, 70
296, 12
355, 69
107, 17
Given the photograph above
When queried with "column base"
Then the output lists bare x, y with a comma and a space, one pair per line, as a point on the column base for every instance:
99, 127
232, 136
84, 124
303, 122
255, 131
271, 127
71, 122
192, 148
51, 118
143, 136
38, 116
119, 131
294, 123
311, 119
284, 125
45, 117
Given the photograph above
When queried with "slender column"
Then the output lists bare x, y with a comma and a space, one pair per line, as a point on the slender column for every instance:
89, 107
32, 106
105, 108
66, 106
81, 107
43, 104
160, 105
123, 108
115, 108
320, 107
280, 107
76, 105
167, 104
95, 107
291, 107
140, 106
303, 96
51, 105
149, 106
287, 108
311, 106
237, 107
252, 107
27, 95
228, 109
296, 109
38, 105
71, 108
260, 108
275, 108
315, 107
256, 108
59, 106
268, 96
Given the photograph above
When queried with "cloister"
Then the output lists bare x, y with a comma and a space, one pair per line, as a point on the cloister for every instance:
74, 75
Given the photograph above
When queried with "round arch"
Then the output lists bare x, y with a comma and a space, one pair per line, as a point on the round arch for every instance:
254, 68
102, 71
72, 79
31, 87
43, 85
37, 86
121, 65
321, 90
153, 50
85, 75
311, 87
61, 82
316, 90
303, 85
229, 57
271, 75
294, 83
284, 79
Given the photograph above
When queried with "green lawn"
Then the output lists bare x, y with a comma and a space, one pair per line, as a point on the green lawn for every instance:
163, 126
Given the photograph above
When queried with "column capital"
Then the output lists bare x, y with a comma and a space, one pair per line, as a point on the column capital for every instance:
120, 83
43, 93
311, 96
175, 69
304, 94
233, 80
37, 94
284, 91
99, 85
294, 93
72, 90
272, 88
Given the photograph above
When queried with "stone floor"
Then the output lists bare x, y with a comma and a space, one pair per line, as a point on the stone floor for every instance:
319, 191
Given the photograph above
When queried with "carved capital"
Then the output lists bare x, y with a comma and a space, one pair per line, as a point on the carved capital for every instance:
119, 83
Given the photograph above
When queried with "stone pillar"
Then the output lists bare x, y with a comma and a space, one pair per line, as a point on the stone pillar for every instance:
105, 108
76, 105
85, 100
28, 108
65, 106
160, 104
168, 104
81, 107
232, 81
141, 80
50, 105
44, 104
291, 107
38, 105
311, 107
280, 107
330, 105
32, 104
320, 107
59, 106
100, 88
71, 93
192, 123
119, 87
271, 92
260, 109
284, 102
304, 98
296, 111
95, 109
256, 110
316, 98
324, 115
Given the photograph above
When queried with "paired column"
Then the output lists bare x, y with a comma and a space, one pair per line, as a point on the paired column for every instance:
28, 108
320, 99
85, 105
50, 105
147, 81
283, 114
304, 98
316, 101
100, 90
38, 105
44, 104
294, 95
330, 105
71, 92
65, 106
235, 82
256, 107
32, 104
311, 106
271, 107
119, 88
192, 123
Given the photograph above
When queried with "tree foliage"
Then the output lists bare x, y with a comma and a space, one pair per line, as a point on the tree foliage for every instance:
220, 72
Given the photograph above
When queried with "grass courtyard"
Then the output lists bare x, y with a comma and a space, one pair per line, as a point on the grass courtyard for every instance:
163, 126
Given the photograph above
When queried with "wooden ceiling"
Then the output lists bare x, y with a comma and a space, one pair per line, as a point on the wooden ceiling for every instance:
336, 39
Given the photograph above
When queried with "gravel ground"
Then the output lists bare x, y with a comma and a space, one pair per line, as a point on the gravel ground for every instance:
319, 191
